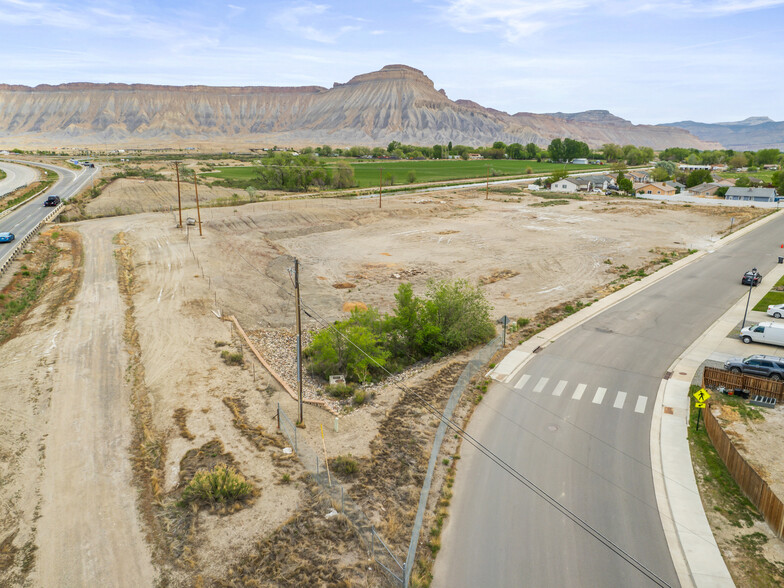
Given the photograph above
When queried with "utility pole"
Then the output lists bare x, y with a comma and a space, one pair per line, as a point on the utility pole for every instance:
380, 183
179, 198
198, 212
299, 341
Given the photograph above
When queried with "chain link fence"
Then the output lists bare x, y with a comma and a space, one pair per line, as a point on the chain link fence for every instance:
377, 549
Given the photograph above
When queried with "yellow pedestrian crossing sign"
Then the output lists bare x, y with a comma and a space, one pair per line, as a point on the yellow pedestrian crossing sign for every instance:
701, 395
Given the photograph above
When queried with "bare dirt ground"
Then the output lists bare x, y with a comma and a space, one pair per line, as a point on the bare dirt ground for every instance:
140, 396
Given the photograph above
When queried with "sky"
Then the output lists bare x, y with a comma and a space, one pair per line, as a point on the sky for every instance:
648, 61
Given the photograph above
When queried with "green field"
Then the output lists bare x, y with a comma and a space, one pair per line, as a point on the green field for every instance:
366, 173
764, 175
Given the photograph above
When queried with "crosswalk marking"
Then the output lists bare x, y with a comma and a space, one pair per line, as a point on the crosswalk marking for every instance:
541, 384
641, 401
560, 388
599, 395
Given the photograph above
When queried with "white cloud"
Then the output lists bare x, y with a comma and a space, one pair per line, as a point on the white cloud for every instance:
516, 19
298, 20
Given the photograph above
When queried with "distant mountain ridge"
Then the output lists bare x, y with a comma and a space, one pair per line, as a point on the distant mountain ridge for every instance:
397, 103
751, 134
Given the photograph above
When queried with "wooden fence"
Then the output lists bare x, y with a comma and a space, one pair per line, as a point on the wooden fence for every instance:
753, 486
713, 377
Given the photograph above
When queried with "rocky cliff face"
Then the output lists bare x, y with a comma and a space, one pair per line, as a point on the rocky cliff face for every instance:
396, 103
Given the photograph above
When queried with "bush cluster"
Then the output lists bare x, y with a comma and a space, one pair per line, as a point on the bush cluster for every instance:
454, 315
222, 484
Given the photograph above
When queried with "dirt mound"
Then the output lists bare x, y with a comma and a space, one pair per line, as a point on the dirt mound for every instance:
349, 306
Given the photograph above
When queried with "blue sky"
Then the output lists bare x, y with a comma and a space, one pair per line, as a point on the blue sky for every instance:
647, 61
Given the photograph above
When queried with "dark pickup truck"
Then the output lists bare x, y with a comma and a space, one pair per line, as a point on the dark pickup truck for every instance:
52, 201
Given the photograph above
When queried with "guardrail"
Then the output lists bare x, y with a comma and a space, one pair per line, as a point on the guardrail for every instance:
20, 245
9, 210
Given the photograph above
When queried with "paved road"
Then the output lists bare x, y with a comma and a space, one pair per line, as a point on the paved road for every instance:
16, 176
26, 218
576, 421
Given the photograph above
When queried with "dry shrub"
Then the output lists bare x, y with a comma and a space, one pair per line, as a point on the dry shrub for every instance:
221, 485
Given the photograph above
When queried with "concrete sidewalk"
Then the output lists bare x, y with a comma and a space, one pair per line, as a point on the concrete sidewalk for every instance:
696, 556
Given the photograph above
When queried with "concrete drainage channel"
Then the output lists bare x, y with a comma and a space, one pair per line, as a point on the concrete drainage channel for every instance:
20, 245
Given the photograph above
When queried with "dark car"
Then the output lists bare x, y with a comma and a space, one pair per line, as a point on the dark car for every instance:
52, 201
767, 366
751, 278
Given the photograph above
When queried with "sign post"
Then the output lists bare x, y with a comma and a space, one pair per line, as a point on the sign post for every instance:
701, 396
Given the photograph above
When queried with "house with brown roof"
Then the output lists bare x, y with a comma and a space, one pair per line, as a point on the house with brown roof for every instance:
654, 188
639, 176
702, 190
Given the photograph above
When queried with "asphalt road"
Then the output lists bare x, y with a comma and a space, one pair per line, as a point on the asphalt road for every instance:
26, 218
16, 176
582, 435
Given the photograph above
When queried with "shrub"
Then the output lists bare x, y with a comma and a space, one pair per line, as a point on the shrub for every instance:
222, 484
339, 390
521, 322
359, 397
345, 465
232, 358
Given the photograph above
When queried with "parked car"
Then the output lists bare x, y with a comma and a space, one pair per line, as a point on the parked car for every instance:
6, 237
52, 201
772, 333
751, 278
776, 310
767, 366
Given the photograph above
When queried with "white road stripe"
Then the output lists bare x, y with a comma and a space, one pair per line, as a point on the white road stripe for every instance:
541, 384
641, 401
619, 400
578, 392
522, 381
560, 388
599, 396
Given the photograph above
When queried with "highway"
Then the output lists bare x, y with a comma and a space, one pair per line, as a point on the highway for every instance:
16, 176
576, 421
24, 219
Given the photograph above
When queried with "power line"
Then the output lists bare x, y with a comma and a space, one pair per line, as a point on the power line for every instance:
509, 469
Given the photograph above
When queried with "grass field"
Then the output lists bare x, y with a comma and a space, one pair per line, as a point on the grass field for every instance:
366, 173
764, 175
773, 297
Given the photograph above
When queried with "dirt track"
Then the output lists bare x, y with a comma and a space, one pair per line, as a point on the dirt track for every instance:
89, 532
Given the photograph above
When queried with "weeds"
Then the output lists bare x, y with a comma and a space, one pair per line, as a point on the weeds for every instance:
222, 484
345, 465
230, 358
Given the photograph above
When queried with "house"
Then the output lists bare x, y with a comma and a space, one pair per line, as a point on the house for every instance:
564, 185
705, 189
771, 166
677, 185
752, 194
642, 177
473, 156
655, 188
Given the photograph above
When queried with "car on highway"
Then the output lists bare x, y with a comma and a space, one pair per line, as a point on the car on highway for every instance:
751, 278
52, 201
776, 310
767, 366
6, 237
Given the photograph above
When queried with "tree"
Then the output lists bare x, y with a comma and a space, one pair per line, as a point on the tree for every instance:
460, 312
495, 153
612, 152
515, 151
449, 147
437, 151
557, 150
574, 149
625, 184
532, 150
393, 146
768, 156
499, 145
737, 161
667, 166
557, 175
698, 176
660, 174
778, 182
343, 176
743, 182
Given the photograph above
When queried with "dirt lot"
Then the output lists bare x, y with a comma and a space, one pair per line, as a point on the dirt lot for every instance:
134, 369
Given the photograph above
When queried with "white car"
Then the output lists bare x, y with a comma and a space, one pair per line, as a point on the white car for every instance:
776, 310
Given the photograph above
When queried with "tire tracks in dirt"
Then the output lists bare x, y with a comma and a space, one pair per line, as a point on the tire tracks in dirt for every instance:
89, 532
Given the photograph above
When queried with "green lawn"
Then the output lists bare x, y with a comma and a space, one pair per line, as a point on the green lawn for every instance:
764, 175
367, 172
772, 297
